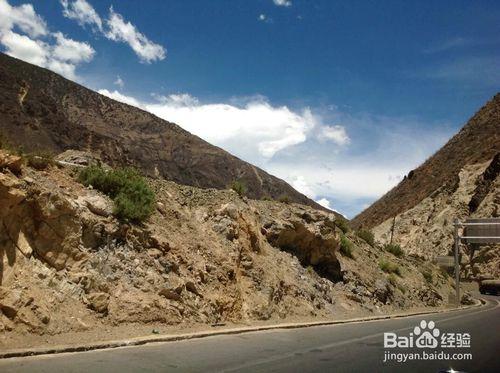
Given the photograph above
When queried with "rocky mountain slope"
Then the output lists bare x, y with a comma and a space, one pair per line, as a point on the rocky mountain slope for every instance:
42, 110
426, 230
462, 180
477, 142
204, 257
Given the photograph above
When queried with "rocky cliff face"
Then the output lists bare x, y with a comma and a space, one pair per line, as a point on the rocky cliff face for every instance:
40, 110
205, 256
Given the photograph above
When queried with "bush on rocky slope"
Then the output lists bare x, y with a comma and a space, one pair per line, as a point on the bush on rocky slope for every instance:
394, 249
132, 196
342, 224
389, 267
239, 187
346, 247
367, 236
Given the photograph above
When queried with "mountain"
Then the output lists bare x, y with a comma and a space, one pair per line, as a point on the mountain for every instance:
40, 110
478, 141
460, 181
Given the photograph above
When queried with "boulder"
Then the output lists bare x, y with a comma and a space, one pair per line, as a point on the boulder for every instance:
98, 302
381, 291
11, 162
170, 294
190, 286
98, 205
11, 301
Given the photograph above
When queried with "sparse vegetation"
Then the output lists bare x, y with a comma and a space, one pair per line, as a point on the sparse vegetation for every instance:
401, 288
428, 276
342, 224
239, 187
284, 198
39, 160
392, 279
310, 270
132, 196
346, 247
394, 249
367, 236
389, 267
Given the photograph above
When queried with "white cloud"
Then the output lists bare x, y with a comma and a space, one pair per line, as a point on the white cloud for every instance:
115, 95
82, 12
70, 50
336, 133
255, 130
300, 184
324, 202
24, 48
114, 28
22, 17
285, 3
61, 56
119, 82
122, 31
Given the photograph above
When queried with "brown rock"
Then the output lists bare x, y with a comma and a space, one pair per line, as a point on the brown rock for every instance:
170, 294
99, 302
190, 286
11, 162
98, 205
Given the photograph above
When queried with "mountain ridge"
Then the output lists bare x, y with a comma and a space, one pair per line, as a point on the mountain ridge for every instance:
41, 110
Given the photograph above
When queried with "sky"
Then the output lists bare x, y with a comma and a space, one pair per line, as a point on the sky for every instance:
339, 98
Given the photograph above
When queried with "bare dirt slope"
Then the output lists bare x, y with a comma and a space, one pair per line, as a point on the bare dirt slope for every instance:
478, 141
42, 110
205, 256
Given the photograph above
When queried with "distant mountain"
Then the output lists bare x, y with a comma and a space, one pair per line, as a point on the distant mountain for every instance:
42, 110
477, 142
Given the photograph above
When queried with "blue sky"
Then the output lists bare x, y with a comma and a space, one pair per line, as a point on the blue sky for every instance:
339, 98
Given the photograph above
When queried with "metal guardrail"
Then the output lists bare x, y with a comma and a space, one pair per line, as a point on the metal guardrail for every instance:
478, 231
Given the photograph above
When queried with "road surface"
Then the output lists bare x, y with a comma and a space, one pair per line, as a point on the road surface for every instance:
356, 347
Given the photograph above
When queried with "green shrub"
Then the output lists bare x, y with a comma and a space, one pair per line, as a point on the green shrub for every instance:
133, 198
346, 247
428, 276
392, 279
239, 187
284, 198
367, 236
401, 288
389, 267
39, 160
394, 249
342, 224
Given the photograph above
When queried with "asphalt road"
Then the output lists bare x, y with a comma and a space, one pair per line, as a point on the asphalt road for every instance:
356, 347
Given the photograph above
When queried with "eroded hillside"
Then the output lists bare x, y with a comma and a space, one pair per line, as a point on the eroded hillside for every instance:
204, 257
